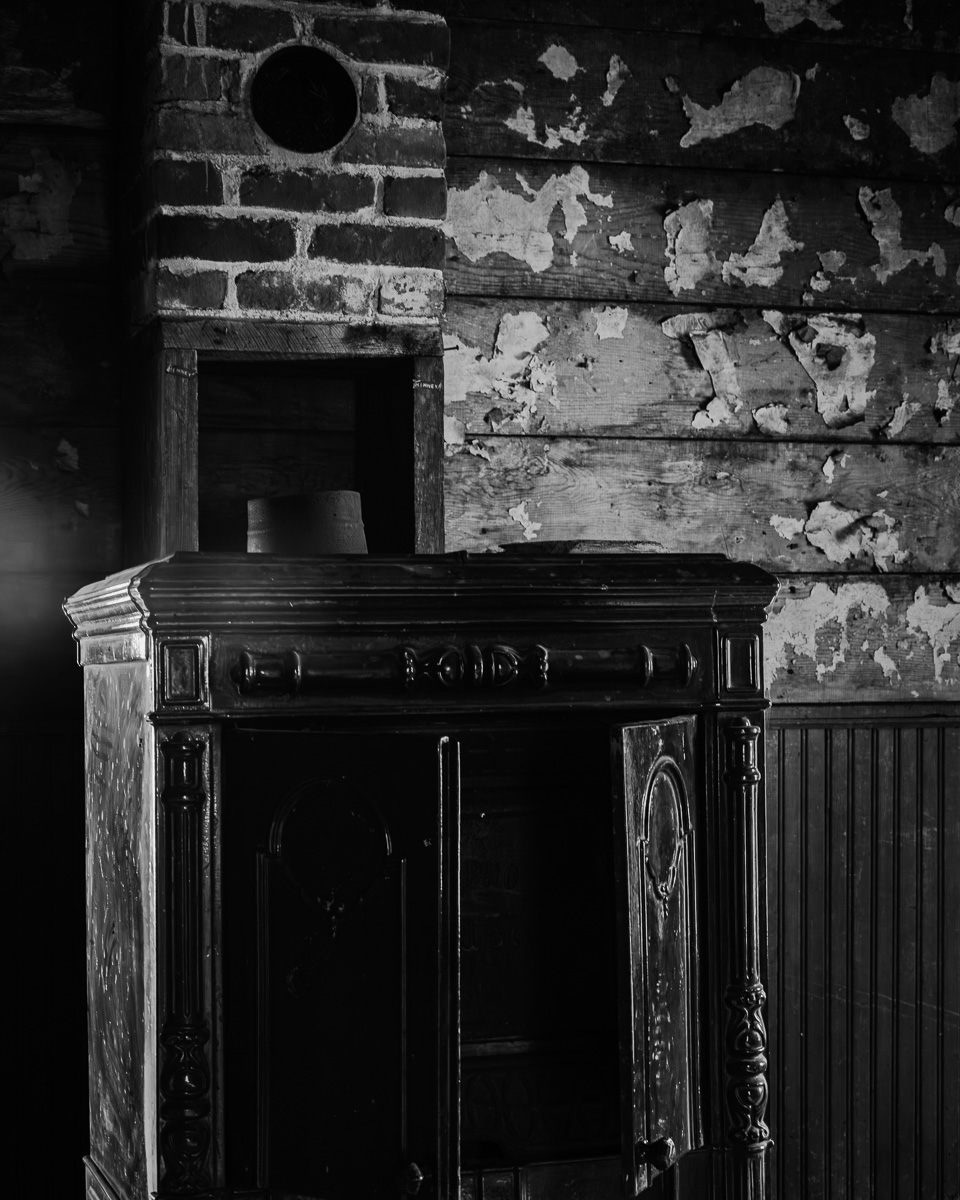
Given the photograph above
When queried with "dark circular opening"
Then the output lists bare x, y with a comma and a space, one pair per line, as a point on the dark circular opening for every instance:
303, 99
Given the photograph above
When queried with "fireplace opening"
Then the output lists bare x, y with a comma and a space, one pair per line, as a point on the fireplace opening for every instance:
279, 428
303, 99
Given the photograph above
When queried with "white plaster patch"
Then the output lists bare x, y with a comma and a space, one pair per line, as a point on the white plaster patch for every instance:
772, 418
939, 622
621, 242
37, 220
68, 456
838, 458
843, 533
611, 322
559, 62
530, 527
519, 378
838, 355
715, 345
781, 15
885, 662
801, 620
617, 75
788, 527
858, 130
884, 215
831, 260
760, 265
690, 257
902, 414
810, 73
486, 219
764, 96
573, 130
952, 214
930, 122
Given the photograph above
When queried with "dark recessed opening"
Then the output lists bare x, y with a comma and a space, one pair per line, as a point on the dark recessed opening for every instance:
303, 99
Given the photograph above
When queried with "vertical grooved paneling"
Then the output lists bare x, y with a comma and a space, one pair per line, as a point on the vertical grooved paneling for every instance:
865, 971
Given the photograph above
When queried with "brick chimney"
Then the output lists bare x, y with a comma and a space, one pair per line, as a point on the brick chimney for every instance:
229, 221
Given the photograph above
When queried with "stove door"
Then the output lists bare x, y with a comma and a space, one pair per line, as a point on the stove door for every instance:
654, 781
340, 1012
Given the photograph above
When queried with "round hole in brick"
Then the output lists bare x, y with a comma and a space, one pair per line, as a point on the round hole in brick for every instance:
303, 99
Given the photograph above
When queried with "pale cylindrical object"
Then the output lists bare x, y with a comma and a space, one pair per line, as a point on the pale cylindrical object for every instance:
312, 523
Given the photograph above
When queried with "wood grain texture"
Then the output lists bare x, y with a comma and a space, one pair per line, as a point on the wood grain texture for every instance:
828, 639
864, 969
254, 339
638, 381
428, 413
926, 23
503, 100
55, 189
687, 497
60, 499
513, 228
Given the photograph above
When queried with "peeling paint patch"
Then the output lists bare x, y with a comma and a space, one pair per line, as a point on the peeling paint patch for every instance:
559, 62
886, 663
838, 355
948, 389
800, 621
764, 96
838, 458
843, 533
515, 375
522, 517
690, 257
611, 322
714, 343
858, 130
781, 15
884, 215
760, 265
524, 122
952, 214
617, 75
772, 418
37, 220
939, 622
788, 527
831, 260
621, 242
486, 219
902, 414
68, 456
930, 122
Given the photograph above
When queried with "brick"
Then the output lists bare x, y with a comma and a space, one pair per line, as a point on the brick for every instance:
410, 98
175, 182
408, 294
394, 146
223, 239
182, 24
403, 246
248, 28
206, 132
415, 196
273, 290
386, 39
370, 96
343, 294
307, 191
199, 289
190, 78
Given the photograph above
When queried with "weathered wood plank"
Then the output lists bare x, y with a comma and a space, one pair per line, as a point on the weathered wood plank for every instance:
886, 638
582, 94
891, 507
60, 499
55, 189
253, 339
925, 24
616, 233
59, 354
600, 370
